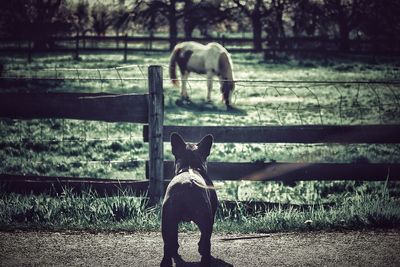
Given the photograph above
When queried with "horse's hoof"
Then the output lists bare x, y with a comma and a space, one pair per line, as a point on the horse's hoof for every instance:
186, 101
208, 104
183, 101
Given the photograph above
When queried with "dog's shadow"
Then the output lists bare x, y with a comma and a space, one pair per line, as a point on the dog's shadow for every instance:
214, 263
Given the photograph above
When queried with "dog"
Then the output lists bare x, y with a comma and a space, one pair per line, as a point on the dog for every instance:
190, 196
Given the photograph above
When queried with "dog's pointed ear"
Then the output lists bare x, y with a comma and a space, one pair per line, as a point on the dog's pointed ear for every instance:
178, 144
204, 147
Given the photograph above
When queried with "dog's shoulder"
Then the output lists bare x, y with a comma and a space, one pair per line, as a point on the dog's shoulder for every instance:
188, 178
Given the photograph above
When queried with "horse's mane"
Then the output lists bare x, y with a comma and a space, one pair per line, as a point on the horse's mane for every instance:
225, 66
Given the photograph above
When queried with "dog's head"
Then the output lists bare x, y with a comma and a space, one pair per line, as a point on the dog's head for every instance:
192, 156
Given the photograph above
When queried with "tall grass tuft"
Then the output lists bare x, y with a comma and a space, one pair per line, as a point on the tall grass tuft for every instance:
353, 212
89, 211
72, 211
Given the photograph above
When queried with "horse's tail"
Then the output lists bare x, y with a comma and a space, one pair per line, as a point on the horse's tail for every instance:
172, 66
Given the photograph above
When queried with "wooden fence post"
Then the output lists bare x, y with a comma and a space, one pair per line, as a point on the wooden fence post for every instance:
223, 40
76, 55
29, 50
151, 40
83, 40
156, 121
126, 47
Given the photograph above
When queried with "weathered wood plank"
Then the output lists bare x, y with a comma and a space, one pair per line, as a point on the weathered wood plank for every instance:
156, 122
26, 184
82, 106
110, 187
288, 134
283, 171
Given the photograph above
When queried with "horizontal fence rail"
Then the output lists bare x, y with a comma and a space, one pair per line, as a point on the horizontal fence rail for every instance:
124, 43
218, 171
287, 134
82, 106
285, 171
56, 185
110, 187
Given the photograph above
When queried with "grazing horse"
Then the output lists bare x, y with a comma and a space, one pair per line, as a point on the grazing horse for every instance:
190, 196
211, 59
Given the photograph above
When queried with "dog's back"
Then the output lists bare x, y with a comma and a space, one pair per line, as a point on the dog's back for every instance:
190, 196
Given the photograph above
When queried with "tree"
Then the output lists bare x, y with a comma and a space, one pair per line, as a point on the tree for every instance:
101, 19
193, 13
150, 9
274, 24
380, 23
346, 15
37, 20
120, 18
81, 17
202, 15
255, 10
305, 16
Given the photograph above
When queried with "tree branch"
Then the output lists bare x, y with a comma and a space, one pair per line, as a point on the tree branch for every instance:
243, 8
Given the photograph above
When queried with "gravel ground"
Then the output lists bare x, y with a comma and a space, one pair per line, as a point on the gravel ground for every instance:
348, 248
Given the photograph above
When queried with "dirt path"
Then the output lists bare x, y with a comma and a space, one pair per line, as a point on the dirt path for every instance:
350, 248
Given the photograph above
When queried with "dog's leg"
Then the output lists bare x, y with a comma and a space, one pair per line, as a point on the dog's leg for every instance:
206, 226
169, 228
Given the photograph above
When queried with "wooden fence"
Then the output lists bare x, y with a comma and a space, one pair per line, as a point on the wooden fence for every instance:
148, 109
144, 109
129, 44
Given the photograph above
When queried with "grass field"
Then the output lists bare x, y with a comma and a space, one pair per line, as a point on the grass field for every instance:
99, 149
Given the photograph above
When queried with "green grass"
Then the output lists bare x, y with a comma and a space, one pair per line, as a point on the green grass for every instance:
99, 149
116, 150
87, 211
358, 213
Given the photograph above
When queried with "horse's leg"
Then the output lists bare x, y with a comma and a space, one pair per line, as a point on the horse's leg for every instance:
184, 93
209, 85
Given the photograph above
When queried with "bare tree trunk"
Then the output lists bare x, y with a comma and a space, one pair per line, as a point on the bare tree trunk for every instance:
188, 22
257, 32
344, 36
173, 29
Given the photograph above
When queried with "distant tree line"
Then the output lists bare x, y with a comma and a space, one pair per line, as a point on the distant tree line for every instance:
270, 20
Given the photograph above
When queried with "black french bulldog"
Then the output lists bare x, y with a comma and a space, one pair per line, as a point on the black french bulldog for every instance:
190, 196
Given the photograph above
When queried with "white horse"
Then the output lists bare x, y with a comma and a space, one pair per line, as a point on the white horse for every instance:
211, 59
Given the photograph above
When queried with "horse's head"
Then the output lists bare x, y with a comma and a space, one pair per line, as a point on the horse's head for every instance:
226, 77
227, 88
191, 156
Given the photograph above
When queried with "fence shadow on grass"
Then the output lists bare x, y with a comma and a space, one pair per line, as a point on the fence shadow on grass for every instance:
207, 107
27, 85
